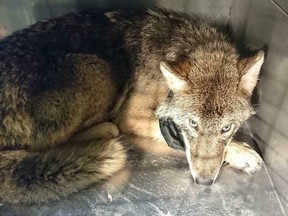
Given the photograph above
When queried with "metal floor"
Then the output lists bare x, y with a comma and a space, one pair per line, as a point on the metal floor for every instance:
162, 186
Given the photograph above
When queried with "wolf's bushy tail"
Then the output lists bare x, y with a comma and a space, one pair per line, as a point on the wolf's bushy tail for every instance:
33, 177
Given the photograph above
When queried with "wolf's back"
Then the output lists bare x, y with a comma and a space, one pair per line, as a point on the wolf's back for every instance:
53, 84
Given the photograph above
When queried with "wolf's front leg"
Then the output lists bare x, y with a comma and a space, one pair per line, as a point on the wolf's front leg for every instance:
241, 156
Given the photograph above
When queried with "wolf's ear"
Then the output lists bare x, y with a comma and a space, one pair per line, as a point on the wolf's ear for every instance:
250, 69
174, 82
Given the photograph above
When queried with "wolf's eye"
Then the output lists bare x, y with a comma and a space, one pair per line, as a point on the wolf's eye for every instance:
226, 128
193, 123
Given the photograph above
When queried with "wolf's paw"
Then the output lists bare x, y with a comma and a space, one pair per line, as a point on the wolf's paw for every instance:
103, 130
108, 129
242, 156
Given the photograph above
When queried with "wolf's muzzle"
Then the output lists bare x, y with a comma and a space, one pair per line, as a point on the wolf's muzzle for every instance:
171, 134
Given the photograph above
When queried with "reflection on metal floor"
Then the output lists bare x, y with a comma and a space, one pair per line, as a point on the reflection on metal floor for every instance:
163, 186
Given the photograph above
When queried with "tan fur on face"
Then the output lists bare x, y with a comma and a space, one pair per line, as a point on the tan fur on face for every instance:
212, 97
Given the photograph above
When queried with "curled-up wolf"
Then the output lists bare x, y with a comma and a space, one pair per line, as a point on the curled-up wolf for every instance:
166, 78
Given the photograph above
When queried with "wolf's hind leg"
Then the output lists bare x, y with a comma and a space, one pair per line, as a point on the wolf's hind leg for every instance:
241, 156
35, 177
103, 130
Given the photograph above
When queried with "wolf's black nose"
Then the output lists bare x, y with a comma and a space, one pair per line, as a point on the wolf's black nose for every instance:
204, 181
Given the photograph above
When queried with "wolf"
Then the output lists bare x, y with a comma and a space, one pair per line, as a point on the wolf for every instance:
74, 89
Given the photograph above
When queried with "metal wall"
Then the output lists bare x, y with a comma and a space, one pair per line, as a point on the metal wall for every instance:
265, 23
17, 14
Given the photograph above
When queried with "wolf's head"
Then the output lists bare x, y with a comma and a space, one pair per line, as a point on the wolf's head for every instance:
209, 100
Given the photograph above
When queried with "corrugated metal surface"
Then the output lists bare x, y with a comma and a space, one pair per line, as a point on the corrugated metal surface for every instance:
282, 4
17, 14
259, 23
